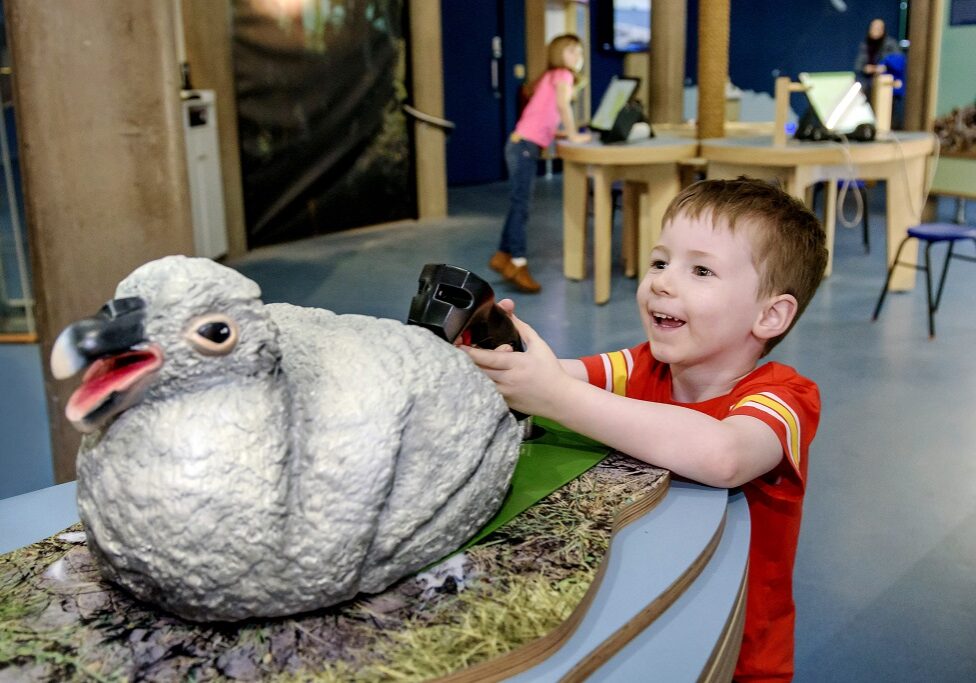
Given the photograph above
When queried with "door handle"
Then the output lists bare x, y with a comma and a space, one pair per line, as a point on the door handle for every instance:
496, 55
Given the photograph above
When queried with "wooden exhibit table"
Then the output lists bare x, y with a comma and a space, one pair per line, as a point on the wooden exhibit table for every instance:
668, 598
650, 169
901, 160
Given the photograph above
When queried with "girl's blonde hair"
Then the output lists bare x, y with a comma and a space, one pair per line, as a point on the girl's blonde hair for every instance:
558, 45
554, 58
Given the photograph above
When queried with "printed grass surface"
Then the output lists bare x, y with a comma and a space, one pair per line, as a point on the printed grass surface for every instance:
60, 621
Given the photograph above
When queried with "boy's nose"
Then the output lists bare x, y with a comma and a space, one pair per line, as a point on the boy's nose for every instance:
661, 283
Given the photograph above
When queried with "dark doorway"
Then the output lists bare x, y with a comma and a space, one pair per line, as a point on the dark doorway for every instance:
474, 89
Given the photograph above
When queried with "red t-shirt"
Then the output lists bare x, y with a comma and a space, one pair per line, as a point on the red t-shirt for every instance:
790, 405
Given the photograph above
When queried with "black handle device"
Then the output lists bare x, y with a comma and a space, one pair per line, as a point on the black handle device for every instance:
454, 303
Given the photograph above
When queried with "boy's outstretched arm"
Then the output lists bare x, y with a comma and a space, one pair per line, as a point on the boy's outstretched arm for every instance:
724, 453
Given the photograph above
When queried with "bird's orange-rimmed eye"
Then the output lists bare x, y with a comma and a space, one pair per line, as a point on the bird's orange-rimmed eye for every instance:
214, 334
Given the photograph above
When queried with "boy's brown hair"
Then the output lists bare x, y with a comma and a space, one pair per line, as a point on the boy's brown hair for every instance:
788, 241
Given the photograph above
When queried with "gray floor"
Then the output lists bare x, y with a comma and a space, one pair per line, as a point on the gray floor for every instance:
886, 572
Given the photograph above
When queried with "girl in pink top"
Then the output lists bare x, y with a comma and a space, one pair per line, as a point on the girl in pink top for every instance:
548, 106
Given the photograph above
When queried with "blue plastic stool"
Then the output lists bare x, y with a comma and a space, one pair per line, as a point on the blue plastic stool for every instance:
930, 233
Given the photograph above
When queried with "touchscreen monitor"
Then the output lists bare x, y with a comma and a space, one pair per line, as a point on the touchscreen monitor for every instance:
618, 93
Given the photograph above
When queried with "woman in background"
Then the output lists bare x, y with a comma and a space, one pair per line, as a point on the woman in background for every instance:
548, 106
877, 47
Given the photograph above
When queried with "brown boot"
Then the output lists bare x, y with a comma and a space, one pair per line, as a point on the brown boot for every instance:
521, 278
500, 262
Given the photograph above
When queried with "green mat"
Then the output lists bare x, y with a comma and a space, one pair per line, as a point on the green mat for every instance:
545, 464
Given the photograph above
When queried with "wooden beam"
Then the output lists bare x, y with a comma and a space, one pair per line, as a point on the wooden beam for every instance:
936, 19
209, 40
97, 93
666, 75
428, 97
536, 60
919, 16
924, 55
713, 67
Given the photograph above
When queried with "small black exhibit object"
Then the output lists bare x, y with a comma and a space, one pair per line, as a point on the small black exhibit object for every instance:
455, 303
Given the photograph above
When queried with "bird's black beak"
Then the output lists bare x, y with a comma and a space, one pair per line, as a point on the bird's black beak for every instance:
118, 326
121, 363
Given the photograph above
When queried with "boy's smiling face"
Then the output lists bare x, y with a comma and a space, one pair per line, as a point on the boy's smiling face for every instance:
699, 301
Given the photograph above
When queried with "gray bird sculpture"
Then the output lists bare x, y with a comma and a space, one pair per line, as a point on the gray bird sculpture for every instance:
243, 459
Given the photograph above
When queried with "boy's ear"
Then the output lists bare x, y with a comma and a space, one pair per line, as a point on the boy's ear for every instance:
776, 317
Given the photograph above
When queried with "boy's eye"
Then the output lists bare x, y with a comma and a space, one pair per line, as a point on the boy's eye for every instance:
702, 271
658, 264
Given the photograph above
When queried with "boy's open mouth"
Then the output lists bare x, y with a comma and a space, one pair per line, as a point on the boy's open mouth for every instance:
663, 320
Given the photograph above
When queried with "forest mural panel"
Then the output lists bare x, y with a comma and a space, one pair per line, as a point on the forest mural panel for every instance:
324, 143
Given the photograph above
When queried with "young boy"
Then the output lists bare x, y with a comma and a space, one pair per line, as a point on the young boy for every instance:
736, 264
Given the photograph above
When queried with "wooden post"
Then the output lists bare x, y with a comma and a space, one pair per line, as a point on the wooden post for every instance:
925, 34
207, 28
881, 99
782, 103
97, 94
936, 18
666, 73
918, 31
535, 38
428, 97
784, 86
713, 67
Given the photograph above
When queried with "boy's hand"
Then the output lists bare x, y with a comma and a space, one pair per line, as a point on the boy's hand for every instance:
508, 306
529, 381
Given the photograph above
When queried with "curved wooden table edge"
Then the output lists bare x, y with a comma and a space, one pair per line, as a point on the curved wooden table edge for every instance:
744, 150
623, 635
541, 649
537, 651
721, 663
663, 150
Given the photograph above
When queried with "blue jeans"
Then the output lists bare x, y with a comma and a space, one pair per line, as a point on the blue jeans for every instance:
521, 158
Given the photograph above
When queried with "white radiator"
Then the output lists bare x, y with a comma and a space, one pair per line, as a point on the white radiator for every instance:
203, 166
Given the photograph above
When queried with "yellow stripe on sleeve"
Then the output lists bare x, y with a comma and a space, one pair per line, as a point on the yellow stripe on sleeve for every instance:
771, 404
618, 367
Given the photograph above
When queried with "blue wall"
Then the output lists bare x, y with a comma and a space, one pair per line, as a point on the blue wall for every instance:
771, 37
603, 65
768, 38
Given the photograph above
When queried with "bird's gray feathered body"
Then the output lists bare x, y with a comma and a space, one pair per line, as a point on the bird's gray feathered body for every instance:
323, 456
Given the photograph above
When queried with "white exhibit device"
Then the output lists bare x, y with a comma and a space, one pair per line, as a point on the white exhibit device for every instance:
838, 100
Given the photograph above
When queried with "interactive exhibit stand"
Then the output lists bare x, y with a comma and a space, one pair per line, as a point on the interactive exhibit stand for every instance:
620, 118
838, 108
586, 551
900, 159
